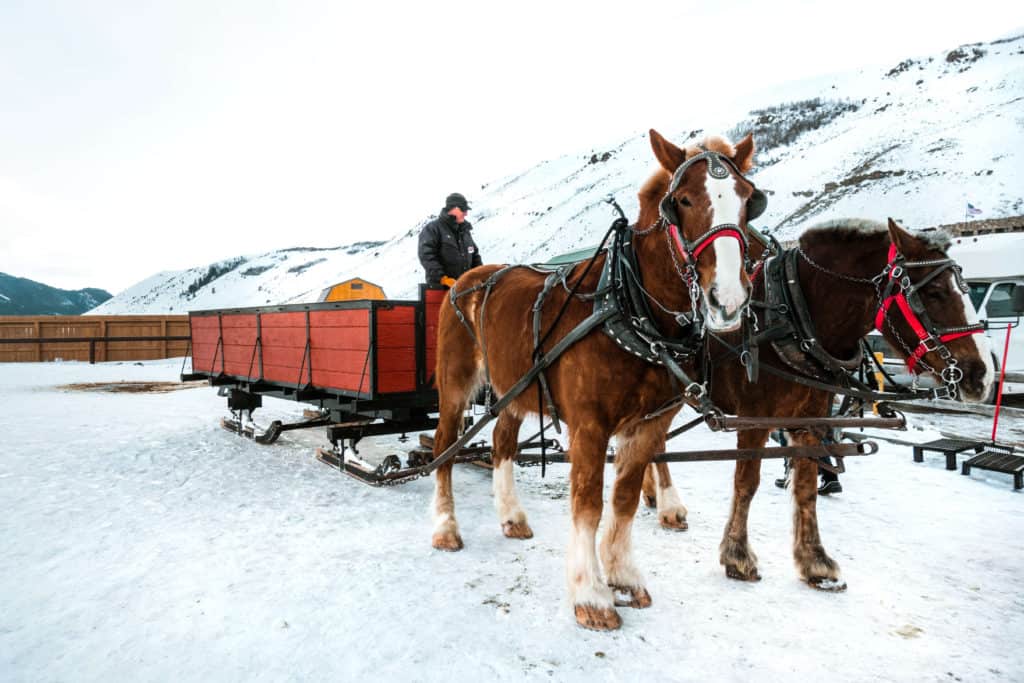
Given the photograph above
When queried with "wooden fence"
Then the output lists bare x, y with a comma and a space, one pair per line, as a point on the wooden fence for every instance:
92, 337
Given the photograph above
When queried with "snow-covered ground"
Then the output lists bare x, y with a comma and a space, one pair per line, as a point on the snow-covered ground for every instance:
142, 542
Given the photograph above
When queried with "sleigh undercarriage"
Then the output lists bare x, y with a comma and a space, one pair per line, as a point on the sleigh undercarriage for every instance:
370, 376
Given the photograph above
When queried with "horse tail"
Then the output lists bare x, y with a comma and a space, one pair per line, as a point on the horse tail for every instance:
459, 371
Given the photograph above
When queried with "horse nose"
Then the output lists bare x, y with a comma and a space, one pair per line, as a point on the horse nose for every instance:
974, 375
713, 297
727, 300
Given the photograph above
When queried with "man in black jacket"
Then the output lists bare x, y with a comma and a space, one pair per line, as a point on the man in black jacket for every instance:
447, 249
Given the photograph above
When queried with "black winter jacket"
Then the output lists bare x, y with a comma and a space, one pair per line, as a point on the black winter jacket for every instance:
447, 248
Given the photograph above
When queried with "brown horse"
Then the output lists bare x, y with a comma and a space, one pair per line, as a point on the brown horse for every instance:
599, 389
844, 268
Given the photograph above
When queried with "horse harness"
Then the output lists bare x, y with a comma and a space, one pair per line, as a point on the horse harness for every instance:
789, 327
621, 308
620, 301
792, 335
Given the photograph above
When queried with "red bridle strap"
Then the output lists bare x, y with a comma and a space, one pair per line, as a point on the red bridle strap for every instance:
704, 243
923, 335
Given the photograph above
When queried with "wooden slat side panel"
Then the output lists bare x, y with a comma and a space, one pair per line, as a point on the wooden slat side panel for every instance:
340, 343
284, 347
397, 315
205, 333
239, 334
432, 305
396, 370
396, 350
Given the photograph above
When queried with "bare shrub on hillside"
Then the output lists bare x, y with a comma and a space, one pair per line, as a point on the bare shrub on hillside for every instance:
212, 273
783, 124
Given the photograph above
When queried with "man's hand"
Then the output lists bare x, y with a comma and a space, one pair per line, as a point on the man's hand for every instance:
448, 282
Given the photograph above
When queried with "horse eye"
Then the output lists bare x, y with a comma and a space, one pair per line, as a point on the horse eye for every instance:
685, 202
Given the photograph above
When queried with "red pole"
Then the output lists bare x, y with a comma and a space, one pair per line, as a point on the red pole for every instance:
999, 388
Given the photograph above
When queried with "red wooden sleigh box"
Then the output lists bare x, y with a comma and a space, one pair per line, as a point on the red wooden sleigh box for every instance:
360, 349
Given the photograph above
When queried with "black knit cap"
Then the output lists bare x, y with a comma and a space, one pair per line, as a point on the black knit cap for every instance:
456, 200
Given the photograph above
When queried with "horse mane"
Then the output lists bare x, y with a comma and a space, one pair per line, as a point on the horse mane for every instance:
857, 230
656, 186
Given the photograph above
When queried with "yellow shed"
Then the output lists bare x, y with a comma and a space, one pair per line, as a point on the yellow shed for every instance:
349, 290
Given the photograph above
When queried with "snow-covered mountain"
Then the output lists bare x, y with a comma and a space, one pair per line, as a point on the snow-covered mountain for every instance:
916, 141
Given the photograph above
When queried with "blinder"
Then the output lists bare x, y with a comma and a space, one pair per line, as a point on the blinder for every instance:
756, 204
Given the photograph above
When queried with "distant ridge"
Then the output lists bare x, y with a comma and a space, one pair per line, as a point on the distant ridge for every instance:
21, 296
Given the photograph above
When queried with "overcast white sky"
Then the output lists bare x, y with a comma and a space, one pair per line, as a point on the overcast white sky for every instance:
138, 136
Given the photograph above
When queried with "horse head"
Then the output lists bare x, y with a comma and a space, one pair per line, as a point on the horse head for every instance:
927, 317
704, 201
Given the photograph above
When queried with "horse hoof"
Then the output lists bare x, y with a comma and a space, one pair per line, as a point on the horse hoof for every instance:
673, 521
516, 530
449, 541
637, 598
734, 573
651, 501
823, 583
598, 618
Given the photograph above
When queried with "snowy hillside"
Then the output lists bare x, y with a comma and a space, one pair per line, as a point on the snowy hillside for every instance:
914, 141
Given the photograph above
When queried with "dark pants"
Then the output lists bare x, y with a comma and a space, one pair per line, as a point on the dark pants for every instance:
780, 437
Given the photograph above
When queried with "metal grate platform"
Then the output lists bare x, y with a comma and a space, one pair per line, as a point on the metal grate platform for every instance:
949, 448
998, 461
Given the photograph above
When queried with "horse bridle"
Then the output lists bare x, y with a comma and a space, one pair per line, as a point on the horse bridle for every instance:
900, 290
718, 167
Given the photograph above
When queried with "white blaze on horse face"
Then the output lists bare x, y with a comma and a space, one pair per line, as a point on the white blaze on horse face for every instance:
726, 205
981, 340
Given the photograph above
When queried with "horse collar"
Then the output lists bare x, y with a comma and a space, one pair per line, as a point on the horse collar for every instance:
789, 323
632, 326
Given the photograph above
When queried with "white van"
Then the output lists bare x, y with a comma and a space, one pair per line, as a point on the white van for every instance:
993, 266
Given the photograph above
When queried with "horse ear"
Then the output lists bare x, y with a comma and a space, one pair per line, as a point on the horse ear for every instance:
744, 157
900, 237
669, 156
